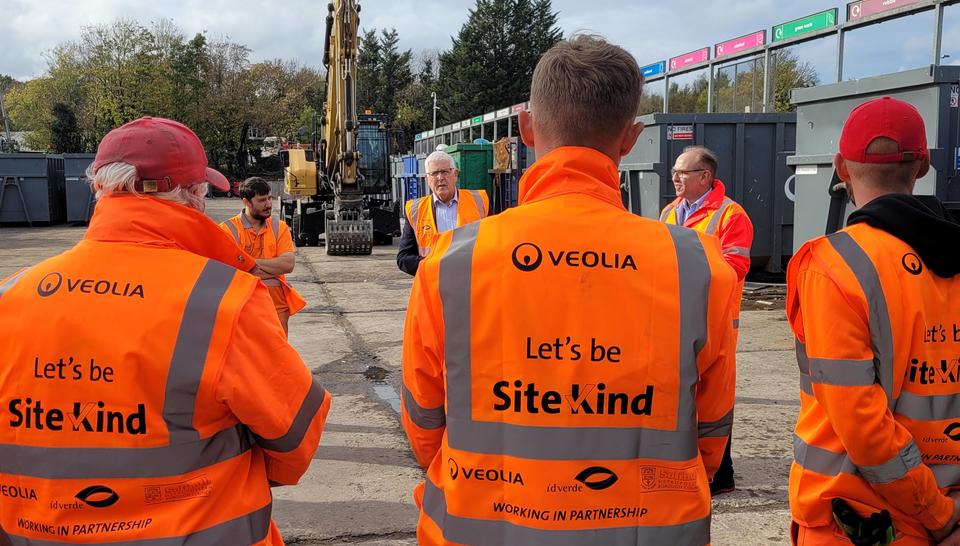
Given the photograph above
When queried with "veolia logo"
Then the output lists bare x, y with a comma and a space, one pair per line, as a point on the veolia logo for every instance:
911, 262
454, 468
527, 256
49, 284
98, 496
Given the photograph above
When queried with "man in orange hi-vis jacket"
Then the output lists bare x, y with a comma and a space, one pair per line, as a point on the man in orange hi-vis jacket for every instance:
568, 367
262, 235
875, 309
149, 395
702, 204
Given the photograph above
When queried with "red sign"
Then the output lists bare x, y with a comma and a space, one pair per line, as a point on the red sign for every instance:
742, 43
517, 108
866, 8
680, 132
687, 59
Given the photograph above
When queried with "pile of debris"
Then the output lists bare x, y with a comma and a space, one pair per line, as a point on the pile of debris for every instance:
763, 296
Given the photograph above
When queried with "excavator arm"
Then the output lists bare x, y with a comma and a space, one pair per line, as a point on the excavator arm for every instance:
349, 229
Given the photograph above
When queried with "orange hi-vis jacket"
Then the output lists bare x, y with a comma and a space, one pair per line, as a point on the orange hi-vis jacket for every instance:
568, 370
472, 205
148, 394
877, 346
276, 241
725, 218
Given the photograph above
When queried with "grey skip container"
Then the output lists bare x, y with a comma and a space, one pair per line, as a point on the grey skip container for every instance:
80, 201
752, 150
822, 111
31, 189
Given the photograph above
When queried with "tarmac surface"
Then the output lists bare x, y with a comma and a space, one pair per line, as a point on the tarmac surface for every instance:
358, 489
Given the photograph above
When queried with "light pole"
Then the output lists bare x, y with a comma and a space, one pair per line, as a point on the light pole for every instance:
434, 95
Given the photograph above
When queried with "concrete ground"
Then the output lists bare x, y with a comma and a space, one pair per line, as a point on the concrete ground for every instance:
358, 489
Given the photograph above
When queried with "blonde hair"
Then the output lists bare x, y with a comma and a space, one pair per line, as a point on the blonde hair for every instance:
887, 176
585, 90
122, 178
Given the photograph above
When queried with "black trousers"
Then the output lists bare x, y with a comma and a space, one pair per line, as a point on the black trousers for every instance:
725, 472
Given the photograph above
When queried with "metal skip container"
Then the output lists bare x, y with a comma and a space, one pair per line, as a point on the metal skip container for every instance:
80, 201
31, 189
822, 111
752, 150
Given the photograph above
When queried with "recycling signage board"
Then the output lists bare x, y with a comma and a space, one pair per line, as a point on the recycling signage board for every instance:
654, 69
689, 59
477, 120
805, 25
743, 43
866, 8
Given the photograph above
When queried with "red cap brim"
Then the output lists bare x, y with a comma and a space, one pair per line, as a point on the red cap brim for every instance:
217, 180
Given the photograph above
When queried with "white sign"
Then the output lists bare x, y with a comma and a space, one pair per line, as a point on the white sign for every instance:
489, 117
954, 96
806, 169
503, 112
457, 125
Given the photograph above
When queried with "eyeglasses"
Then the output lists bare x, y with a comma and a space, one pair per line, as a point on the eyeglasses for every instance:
678, 172
441, 172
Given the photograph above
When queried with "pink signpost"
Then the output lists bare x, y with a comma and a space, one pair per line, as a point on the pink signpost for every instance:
687, 59
866, 8
742, 43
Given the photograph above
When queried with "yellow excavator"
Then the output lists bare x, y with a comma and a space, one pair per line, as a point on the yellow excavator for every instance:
342, 187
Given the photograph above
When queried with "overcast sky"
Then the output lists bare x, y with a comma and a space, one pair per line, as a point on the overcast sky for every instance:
652, 31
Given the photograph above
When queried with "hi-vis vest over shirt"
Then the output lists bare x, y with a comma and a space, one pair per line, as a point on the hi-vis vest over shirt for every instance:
147, 394
473, 205
878, 338
564, 383
276, 240
723, 217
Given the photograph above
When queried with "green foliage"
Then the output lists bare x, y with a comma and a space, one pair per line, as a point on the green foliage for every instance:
118, 72
64, 130
492, 59
738, 87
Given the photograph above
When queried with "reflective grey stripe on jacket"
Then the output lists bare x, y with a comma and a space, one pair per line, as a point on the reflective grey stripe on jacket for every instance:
482, 531
12, 281
248, 529
830, 463
836, 372
881, 333
425, 418
717, 215
478, 201
233, 229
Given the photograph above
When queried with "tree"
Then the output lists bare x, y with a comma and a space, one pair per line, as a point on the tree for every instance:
789, 73
65, 132
492, 58
370, 83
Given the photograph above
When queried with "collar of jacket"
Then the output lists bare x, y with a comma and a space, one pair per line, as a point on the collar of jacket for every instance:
712, 202
145, 220
572, 169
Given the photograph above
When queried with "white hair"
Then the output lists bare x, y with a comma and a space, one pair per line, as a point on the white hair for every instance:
440, 157
122, 178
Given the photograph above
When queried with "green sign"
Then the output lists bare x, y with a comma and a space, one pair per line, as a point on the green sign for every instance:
477, 120
810, 23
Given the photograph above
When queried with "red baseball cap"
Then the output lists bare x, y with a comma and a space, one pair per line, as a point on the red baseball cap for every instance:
166, 153
884, 117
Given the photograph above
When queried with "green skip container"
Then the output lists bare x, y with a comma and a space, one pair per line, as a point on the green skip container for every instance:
474, 162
